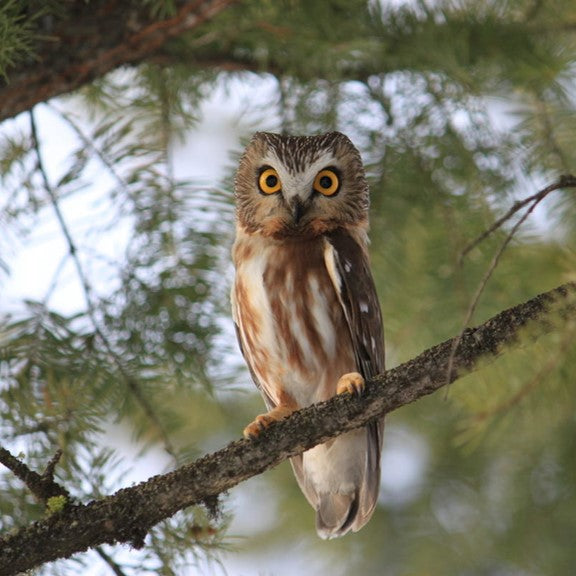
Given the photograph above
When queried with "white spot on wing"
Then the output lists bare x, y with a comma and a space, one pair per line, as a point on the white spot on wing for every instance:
364, 308
347, 265
330, 261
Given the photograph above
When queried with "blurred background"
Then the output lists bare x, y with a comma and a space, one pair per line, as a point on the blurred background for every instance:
116, 222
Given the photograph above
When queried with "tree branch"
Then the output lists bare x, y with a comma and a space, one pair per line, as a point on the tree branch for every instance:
104, 35
564, 181
43, 486
128, 515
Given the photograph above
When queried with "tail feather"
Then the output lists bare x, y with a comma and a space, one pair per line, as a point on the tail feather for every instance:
341, 480
336, 514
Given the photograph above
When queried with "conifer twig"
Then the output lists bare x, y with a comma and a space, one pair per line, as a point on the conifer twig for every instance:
110, 40
132, 385
90, 144
528, 387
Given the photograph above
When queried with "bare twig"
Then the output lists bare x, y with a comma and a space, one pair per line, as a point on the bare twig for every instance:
51, 466
488, 274
72, 248
116, 568
565, 181
43, 485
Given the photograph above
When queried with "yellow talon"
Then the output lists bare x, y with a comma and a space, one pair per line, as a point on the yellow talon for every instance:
351, 383
262, 421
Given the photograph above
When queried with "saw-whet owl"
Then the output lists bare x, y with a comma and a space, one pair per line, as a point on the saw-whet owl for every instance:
305, 307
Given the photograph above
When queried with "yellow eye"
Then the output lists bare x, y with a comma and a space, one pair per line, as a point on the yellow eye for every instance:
269, 181
327, 182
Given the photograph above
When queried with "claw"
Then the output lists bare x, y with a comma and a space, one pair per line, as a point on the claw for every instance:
351, 383
263, 421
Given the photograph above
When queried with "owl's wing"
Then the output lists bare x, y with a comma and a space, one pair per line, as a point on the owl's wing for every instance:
349, 270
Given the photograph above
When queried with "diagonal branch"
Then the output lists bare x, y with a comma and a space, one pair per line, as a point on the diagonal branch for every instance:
93, 39
492, 268
565, 181
128, 515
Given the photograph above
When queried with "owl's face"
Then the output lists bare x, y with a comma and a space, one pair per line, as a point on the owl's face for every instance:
300, 186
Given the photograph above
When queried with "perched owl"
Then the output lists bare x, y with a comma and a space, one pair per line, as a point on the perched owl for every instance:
305, 307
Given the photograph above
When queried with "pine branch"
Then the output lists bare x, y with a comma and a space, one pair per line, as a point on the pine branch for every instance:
89, 144
104, 36
131, 383
130, 513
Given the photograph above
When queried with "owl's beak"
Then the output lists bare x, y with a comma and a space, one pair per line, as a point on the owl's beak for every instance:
298, 210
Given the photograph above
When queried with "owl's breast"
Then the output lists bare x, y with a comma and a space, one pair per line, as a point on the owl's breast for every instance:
292, 328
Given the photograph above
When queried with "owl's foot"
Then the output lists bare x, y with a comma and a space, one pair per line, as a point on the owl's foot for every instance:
351, 383
262, 421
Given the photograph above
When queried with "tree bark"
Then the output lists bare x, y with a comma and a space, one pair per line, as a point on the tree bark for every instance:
128, 515
92, 39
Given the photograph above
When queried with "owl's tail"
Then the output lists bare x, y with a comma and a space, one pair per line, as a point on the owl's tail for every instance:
336, 514
341, 480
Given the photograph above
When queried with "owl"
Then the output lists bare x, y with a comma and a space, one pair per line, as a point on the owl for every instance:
305, 307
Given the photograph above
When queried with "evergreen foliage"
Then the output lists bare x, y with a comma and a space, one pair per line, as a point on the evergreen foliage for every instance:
460, 108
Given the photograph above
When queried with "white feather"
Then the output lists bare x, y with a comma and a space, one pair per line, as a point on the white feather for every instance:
337, 466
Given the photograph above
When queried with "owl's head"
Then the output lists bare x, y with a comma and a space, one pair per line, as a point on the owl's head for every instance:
300, 186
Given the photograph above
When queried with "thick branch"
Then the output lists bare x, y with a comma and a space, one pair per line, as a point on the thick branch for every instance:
93, 39
128, 515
